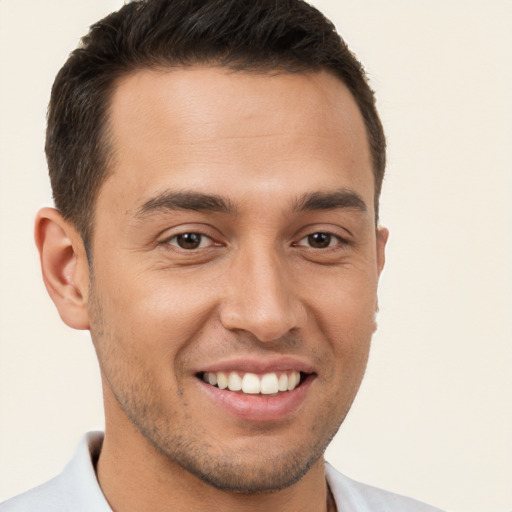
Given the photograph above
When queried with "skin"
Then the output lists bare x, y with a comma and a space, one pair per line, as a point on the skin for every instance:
259, 287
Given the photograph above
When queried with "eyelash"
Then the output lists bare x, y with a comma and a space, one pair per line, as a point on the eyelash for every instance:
330, 237
202, 237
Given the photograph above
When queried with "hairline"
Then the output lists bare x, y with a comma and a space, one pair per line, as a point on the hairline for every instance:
106, 136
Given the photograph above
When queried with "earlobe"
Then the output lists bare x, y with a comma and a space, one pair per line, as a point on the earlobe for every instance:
64, 266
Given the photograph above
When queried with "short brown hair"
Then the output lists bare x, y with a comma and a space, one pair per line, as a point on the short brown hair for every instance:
243, 35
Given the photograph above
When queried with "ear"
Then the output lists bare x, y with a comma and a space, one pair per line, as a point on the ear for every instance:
382, 236
382, 239
64, 265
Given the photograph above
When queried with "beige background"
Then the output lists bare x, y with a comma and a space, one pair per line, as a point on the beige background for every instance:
434, 415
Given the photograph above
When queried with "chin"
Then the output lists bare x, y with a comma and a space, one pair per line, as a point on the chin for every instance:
263, 466
265, 475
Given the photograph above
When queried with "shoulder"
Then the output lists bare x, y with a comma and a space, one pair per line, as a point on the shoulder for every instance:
74, 490
42, 498
357, 497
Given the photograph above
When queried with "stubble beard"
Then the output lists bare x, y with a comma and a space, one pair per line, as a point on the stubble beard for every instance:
226, 468
260, 471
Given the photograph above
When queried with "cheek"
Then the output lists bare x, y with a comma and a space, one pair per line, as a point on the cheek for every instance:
150, 319
344, 315
343, 303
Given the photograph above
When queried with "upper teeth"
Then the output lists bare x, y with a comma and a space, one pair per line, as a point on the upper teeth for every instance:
266, 384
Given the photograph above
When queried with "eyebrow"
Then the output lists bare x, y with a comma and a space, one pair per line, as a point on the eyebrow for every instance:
197, 201
317, 201
171, 201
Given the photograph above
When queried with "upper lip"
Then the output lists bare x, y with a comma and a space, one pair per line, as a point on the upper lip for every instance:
253, 365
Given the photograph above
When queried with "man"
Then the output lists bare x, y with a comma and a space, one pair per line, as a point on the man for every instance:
216, 169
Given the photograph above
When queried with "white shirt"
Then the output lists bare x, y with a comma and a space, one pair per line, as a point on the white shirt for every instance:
76, 489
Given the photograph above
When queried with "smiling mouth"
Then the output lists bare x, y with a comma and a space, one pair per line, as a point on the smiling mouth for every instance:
249, 383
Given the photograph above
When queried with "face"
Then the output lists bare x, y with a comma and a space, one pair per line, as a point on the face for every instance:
235, 247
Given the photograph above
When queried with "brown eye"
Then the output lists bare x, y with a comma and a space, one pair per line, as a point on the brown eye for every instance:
319, 240
189, 241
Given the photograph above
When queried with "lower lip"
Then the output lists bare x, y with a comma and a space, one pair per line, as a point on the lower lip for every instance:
259, 407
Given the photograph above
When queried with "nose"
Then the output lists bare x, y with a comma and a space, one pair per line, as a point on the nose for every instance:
260, 298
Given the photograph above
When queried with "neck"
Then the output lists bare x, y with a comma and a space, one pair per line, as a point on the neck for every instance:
141, 478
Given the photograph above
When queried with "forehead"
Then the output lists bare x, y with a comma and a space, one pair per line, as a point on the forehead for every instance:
209, 128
